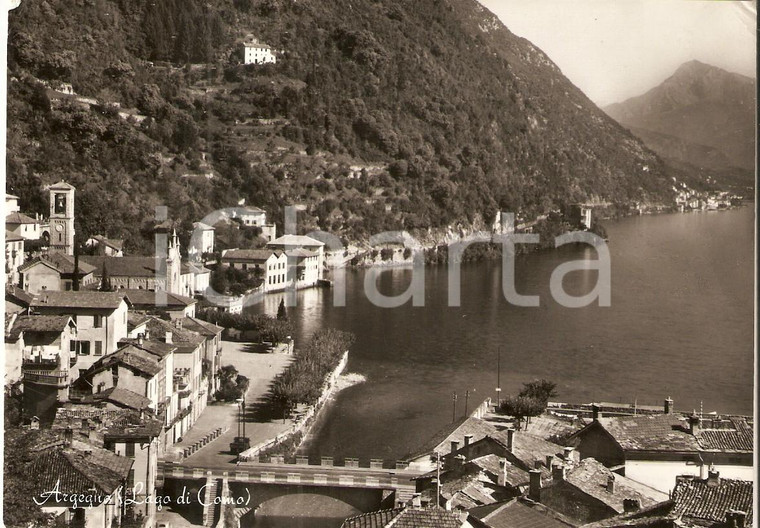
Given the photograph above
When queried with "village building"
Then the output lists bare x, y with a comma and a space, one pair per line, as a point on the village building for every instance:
589, 492
255, 52
268, 264
202, 240
189, 378
655, 449
95, 477
255, 217
22, 225
101, 319
710, 502
201, 278
109, 247
14, 257
161, 302
133, 435
212, 348
11, 203
306, 258
54, 272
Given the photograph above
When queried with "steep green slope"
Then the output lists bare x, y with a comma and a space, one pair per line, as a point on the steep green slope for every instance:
382, 115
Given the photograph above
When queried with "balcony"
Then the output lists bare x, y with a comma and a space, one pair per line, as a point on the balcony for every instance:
54, 378
41, 362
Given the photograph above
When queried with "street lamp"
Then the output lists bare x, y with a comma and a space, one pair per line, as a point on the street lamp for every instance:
241, 442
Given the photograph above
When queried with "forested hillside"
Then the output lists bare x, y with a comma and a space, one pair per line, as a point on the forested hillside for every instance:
378, 115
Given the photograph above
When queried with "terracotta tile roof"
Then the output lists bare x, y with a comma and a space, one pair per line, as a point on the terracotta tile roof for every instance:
78, 299
108, 424
300, 252
63, 264
149, 299
19, 296
61, 186
734, 434
700, 499
81, 469
515, 476
517, 513
39, 323
202, 327
528, 448
127, 266
157, 348
135, 319
124, 398
114, 243
456, 431
254, 255
377, 519
296, 241
180, 336
133, 357
659, 432
19, 218
591, 477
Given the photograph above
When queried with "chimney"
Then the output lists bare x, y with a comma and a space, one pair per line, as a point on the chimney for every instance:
558, 472
140, 339
568, 454
595, 412
713, 478
611, 484
454, 446
549, 461
416, 500
668, 406
631, 505
168, 338
458, 461
502, 480
694, 424
534, 492
178, 324
537, 464
736, 518
467, 439
510, 439
68, 436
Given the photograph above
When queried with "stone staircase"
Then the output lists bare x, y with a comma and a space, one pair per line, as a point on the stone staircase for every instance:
210, 509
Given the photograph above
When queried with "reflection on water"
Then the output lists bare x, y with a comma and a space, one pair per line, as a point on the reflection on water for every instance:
299, 511
680, 325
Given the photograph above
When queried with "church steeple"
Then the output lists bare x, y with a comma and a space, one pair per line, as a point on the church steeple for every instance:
62, 217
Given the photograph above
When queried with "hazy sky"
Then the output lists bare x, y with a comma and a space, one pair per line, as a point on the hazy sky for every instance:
615, 49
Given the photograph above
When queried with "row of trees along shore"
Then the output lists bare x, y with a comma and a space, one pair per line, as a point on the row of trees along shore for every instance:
302, 381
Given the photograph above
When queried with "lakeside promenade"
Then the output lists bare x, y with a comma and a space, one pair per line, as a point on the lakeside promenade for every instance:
260, 369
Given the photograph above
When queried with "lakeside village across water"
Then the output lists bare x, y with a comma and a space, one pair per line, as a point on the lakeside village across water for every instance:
131, 402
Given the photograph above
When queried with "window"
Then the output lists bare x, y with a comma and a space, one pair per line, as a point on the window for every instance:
130, 449
97, 321
67, 286
98, 348
131, 479
73, 346
84, 348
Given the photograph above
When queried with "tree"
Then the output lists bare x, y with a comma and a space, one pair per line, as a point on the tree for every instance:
232, 385
105, 280
522, 408
539, 389
282, 312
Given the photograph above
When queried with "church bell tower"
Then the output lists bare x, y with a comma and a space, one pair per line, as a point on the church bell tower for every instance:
62, 217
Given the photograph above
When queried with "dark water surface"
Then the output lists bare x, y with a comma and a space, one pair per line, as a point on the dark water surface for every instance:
680, 325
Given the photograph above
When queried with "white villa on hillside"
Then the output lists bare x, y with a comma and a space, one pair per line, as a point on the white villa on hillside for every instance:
258, 53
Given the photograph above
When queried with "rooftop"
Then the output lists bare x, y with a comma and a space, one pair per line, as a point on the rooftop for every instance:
591, 477
455, 431
80, 468
114, 243
152, 346
515, 476
528, 448
295, 241
202, 327
79, 299
146, 299
19, 218
120, 423
255, 255
63, 264
706, 500
62, 186
405, 518
519, 513
39, 323
135, 358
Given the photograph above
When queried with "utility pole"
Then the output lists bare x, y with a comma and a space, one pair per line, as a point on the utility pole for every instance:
454, 400
438, 481
498, 378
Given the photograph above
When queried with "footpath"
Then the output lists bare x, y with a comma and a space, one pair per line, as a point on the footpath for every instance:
260, 369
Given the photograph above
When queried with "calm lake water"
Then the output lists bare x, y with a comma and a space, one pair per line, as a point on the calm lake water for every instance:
680, 325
